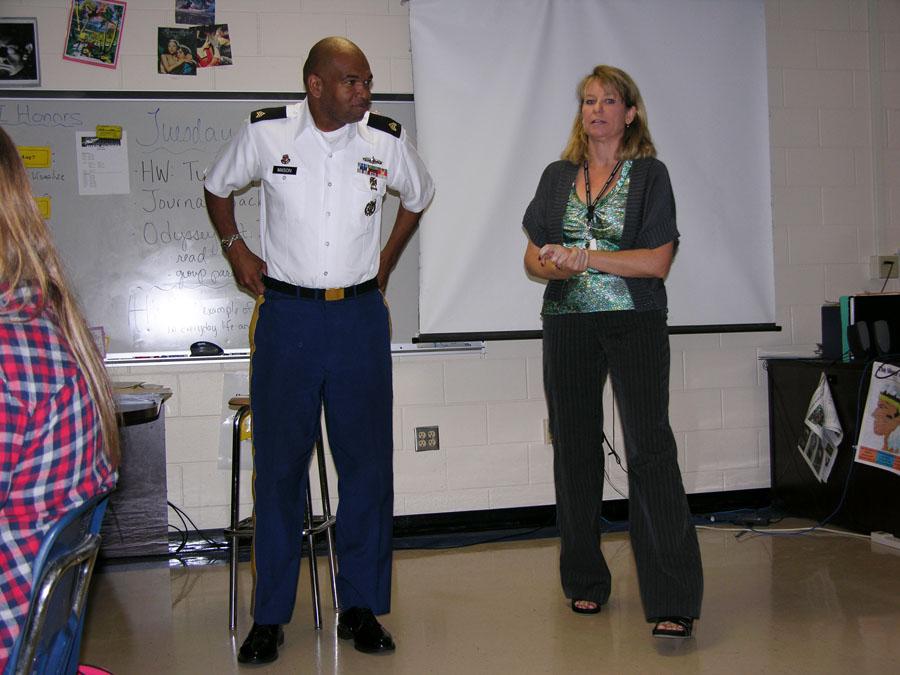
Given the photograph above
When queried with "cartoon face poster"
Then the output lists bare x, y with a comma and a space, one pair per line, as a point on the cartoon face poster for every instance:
95, 32
879, 435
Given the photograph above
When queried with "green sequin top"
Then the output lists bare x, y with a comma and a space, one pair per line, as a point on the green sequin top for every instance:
593, 291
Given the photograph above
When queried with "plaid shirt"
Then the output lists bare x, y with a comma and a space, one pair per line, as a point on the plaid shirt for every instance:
51, 457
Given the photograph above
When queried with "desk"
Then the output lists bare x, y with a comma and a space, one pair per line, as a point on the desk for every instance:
873, 495
136, 522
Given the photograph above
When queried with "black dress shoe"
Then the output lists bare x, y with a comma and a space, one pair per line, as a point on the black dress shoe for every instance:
368, 635
261, 645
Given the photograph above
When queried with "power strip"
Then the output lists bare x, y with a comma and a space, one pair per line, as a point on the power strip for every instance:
885, 539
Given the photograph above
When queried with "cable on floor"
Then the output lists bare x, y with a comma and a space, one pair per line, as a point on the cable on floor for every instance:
184, 516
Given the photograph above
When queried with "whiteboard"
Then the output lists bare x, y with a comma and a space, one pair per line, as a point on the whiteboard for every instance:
146, 265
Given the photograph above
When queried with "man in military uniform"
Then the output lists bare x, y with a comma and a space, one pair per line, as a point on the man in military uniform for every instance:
322, 332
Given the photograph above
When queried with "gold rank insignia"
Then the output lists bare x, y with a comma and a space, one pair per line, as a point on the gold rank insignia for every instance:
385, 124
268, 114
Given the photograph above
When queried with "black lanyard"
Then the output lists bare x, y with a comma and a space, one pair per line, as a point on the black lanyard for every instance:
587, 188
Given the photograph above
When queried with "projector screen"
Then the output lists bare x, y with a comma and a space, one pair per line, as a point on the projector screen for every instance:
495, 99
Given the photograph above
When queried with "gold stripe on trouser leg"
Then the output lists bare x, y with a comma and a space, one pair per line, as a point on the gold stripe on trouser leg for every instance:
390, 320
252, 331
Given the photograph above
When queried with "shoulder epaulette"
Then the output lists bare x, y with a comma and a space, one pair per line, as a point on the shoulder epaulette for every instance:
262, 114
385, 124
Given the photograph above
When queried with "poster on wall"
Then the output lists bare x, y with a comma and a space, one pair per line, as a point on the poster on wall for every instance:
19, 65
183, 50
213, 46
95, 32
879, 435
177, 48
195, 12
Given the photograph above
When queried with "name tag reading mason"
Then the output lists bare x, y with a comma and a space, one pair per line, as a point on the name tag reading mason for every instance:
285, 170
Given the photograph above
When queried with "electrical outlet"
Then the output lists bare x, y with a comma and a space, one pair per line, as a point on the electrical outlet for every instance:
548, 437
884, 267
427, 438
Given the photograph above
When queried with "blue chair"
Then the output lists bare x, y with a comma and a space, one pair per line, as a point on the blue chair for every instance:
51, 636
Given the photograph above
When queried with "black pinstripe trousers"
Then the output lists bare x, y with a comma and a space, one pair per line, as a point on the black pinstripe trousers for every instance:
632, 347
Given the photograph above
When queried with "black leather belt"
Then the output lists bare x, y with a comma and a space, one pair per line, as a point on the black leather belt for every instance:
320, 293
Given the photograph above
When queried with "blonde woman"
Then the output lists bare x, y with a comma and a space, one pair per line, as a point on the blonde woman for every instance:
601, 229
59, 442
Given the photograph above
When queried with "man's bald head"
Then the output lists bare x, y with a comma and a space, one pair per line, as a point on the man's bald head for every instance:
323, 53
338, 83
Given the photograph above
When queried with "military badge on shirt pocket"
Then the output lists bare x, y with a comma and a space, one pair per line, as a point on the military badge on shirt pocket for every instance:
370, 191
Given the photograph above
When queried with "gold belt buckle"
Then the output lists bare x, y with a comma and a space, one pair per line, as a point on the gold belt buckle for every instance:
334, 293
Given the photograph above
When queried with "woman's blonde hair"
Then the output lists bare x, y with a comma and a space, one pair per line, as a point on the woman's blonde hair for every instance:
27, 255
636, 143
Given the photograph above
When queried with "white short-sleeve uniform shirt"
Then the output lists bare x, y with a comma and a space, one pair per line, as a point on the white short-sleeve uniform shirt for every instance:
321, 193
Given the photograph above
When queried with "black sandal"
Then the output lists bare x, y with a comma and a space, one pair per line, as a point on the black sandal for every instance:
586, 610
685, 627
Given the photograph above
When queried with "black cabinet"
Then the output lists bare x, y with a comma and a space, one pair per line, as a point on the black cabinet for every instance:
871, 498
136, 522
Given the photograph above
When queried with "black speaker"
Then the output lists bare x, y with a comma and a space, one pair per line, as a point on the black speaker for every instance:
870, 341
860, 341
883, 342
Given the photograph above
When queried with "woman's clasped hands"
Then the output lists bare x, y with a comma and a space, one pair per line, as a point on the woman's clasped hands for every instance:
565, 259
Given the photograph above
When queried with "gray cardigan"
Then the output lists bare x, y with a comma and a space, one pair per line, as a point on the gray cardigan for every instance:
649, 220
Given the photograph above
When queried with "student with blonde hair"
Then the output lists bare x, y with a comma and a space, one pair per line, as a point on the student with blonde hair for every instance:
59, 443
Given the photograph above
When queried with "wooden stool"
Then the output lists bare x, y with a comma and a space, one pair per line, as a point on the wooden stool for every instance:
313, 525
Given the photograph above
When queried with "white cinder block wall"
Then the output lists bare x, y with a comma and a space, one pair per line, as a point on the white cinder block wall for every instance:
834, 96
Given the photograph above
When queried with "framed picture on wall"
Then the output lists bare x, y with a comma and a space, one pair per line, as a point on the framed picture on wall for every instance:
95, 32
19, 65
